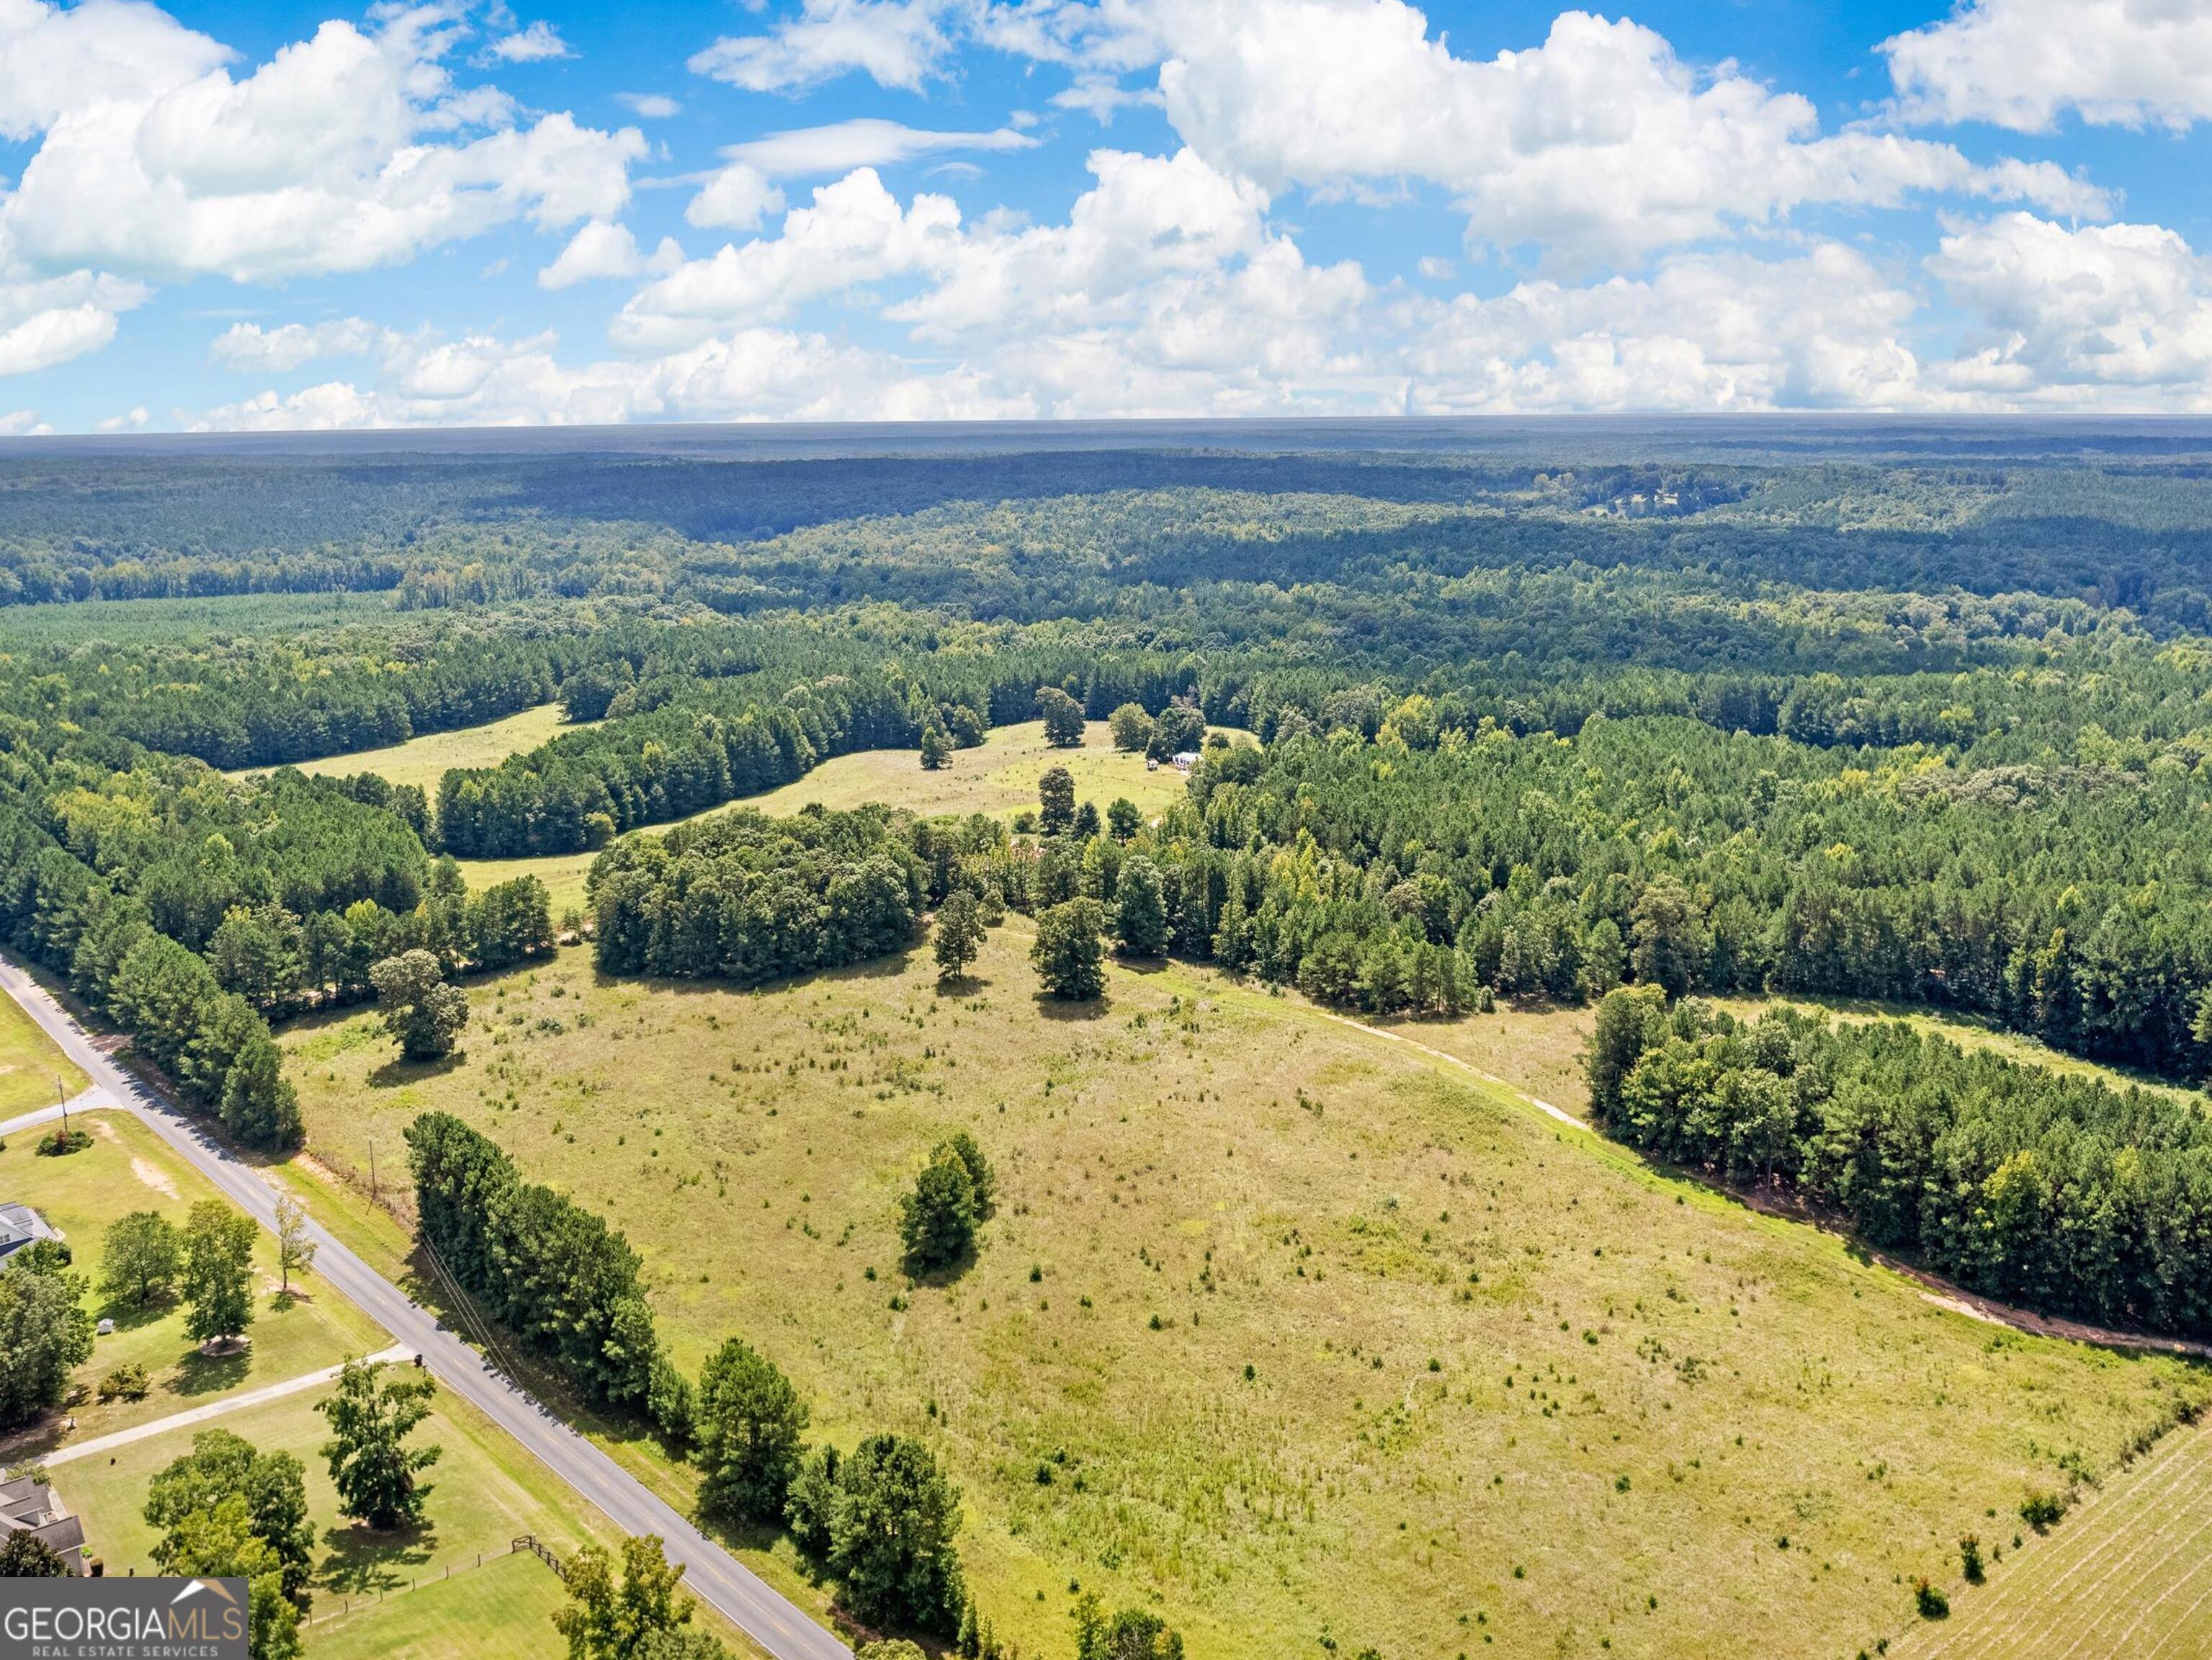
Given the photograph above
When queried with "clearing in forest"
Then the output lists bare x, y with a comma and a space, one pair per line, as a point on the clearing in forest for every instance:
423, 761
1294, 1335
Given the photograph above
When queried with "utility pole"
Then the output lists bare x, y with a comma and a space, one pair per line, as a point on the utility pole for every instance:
61, 1094
372, 1170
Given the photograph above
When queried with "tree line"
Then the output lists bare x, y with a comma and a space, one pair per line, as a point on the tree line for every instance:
2056, 1192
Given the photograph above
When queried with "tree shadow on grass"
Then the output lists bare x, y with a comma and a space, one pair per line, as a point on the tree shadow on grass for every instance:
397, 1072
199, 1373
129, 1314
1049, 1008
943, 1274
361, 1562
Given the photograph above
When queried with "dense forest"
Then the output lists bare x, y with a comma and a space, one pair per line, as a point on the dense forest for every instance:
1931, 727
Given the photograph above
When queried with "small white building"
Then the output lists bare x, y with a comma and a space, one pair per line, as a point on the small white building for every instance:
1184, 760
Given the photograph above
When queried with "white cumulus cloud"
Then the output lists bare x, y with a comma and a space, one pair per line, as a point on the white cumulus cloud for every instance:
1599, 145
1824, 328
854, 232
345, 151
539, 43
250, 349
2020, 63
2112, 315
47, 321
898, 43
600, 250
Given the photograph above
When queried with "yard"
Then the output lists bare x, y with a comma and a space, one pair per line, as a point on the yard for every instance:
127, 1169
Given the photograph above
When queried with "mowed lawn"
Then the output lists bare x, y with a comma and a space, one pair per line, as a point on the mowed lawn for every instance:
423, 761
127, 1169
2127, 1573
33, 1071
1509, 1392
999, 777
502, 1610
486, 1491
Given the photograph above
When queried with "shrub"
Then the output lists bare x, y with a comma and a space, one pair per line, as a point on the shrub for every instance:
1970, 1558
125, 1383
2042, 1508
1931, 1600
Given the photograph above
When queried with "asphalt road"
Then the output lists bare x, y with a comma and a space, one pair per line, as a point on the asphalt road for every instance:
712, 1574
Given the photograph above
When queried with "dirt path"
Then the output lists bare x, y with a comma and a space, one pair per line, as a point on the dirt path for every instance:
1938, 1291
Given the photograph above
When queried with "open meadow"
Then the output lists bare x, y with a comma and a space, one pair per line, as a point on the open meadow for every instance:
1293, 1333
999, 777
423, 761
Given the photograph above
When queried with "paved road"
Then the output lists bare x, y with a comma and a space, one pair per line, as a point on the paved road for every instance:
713, 1575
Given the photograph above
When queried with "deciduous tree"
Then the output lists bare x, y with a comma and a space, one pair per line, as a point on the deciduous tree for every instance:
374, 1470
1063, 718
421, 1011
1069, 961
958, 936
892, 1536
218, 1284
140, 1257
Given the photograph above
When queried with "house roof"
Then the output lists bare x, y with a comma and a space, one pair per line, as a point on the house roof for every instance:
28, 1506
19, 1226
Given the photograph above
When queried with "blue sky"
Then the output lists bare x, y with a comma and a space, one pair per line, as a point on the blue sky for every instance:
268, 215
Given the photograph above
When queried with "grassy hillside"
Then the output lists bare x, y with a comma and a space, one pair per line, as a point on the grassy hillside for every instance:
1000, 777
423, 761
1507, 1390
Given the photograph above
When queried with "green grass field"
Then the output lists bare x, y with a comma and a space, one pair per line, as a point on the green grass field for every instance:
1000, 777
1505, 1384
423, 761
125, 1169
2127, 1573
33, 1071
486, 1492
500, 1611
